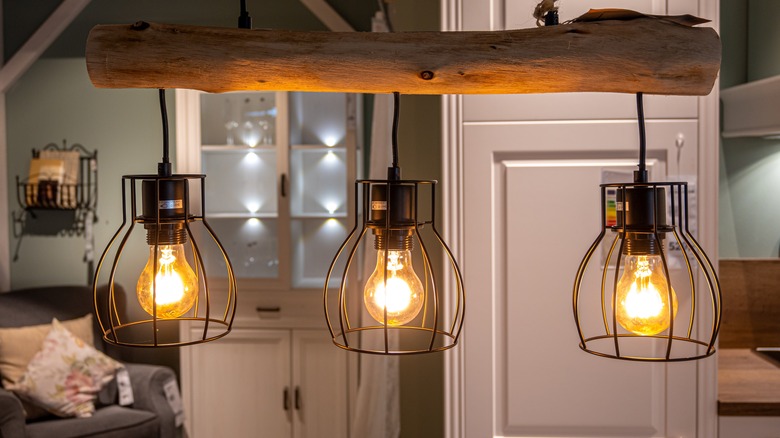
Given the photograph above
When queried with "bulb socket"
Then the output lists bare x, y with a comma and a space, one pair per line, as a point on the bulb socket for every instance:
394, 240
642, 244
165, 234
400, 207
169, 202
641, 209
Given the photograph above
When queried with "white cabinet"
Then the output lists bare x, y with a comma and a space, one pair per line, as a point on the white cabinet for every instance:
279, 383
523, 207
237, 385
279, 170
319, 385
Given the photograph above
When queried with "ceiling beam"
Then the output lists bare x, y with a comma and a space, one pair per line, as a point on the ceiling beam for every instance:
649, 55
34, 47
328, 16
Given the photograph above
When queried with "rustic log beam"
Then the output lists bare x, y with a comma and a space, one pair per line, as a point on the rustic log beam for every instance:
646, 54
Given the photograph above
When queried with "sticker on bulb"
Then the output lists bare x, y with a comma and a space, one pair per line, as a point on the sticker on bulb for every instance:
378, 205
170, 204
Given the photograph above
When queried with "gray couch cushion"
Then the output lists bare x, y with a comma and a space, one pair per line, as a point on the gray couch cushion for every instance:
111, 421
39, 305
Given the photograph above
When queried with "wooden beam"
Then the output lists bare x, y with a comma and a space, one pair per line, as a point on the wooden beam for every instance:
60, 19
650, 55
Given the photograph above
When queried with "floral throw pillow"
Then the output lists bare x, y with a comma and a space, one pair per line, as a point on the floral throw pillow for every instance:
66, 375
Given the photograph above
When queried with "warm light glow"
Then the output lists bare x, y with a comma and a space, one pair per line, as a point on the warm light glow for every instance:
253, 221
404, 295
643, 296
175, 282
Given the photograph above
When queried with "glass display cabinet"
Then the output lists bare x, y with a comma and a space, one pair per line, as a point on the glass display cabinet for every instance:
280, 172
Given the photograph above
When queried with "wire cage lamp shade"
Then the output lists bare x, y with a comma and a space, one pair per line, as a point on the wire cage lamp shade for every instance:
645, 289
174, 285
402, 307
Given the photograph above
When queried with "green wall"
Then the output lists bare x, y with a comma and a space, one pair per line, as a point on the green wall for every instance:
749, 167
53, 101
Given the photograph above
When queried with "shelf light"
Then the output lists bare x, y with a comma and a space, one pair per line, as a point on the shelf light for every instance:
330, 139
251, 158
332, 207
253, 206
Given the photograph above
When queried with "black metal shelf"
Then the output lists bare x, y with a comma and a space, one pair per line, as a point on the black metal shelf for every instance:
54, 208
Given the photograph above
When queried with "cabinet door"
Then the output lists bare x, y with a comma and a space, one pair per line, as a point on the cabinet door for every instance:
518, 14
239, 140
322, 174
532, 208
239, 386
320, 386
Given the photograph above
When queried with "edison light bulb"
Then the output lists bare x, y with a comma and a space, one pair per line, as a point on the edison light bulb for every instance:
404, 295
177, 284
643, 296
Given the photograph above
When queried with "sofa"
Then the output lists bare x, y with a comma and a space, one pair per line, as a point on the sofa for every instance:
150, 414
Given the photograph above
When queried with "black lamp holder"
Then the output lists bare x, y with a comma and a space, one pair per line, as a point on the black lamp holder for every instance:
641, 205
162, 198
244, 20
393, 204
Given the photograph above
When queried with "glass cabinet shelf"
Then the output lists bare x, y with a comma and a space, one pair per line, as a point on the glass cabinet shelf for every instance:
235, 148
243, 215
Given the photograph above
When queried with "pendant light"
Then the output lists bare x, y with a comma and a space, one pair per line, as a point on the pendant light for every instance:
402, 307
640, 287
172, 285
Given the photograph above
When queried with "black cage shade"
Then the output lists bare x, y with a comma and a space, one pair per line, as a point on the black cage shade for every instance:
403, 307
174, 284
645, 289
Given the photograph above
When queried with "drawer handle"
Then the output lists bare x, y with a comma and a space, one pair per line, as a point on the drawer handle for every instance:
283, 185
297, 399
276, 309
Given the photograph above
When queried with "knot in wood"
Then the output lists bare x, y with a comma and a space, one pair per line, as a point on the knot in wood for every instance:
426, 75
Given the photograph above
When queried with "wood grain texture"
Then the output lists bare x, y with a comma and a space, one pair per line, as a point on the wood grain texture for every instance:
748, 384
649, 55
751, 303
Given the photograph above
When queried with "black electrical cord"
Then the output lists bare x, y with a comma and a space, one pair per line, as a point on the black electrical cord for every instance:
244, 20
164, 168
396, 115
640, 176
